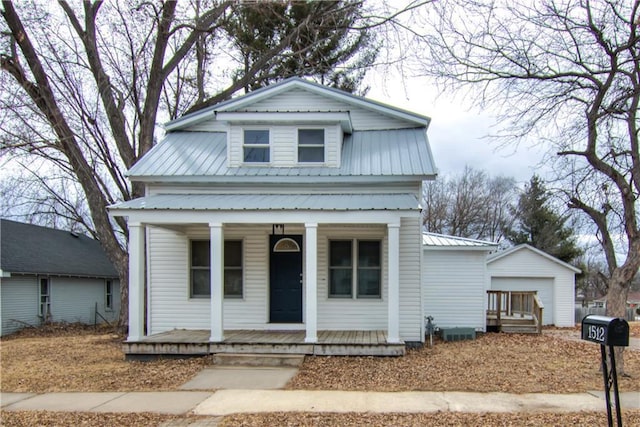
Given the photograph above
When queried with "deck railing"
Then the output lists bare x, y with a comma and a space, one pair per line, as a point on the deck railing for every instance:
510, 304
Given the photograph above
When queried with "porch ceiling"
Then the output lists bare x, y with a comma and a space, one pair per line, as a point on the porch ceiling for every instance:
272, 202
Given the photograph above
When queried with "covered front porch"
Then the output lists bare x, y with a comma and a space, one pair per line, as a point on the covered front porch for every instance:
182, 342
332, 285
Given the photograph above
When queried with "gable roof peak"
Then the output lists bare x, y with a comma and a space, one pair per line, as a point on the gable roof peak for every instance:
295, 83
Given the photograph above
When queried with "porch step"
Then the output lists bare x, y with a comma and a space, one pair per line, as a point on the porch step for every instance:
519, 329
258, 359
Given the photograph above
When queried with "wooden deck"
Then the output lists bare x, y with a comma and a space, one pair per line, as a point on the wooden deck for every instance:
514, 311
181, 342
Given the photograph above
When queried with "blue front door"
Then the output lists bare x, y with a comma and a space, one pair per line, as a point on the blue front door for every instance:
285, 294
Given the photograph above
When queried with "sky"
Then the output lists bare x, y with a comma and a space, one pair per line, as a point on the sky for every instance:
458, 133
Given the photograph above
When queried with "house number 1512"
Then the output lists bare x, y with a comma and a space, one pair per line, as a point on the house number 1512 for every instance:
596, 333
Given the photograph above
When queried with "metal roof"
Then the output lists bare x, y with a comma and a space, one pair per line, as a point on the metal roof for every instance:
271, 202
202, 157
443, 241
295, 82
32, 249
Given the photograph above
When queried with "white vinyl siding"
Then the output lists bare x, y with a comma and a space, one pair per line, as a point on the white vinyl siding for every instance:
19, 299
283, 145
455, 284
172, 307
410, 280
525, 263
302, 100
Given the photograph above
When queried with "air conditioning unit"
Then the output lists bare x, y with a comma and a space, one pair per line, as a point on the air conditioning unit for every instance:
458, 334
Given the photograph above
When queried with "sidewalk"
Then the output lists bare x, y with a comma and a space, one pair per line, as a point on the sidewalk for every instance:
226, 402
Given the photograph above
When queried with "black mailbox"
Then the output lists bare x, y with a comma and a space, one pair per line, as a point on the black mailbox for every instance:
605, 330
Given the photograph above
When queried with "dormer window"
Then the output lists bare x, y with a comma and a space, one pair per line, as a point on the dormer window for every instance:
310, 145
256, 146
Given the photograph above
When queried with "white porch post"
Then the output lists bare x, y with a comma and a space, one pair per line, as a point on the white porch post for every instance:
217, 280
393, 316
311, 281
136, 281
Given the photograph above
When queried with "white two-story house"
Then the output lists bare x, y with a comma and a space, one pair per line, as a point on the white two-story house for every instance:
290, 215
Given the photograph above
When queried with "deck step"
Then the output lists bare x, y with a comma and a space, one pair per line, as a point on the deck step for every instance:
519, 329
258, 359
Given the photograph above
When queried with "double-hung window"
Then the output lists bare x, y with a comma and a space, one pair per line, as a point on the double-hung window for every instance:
108, 295
256, 146
44, 309
201, 269
310, 145
355, 268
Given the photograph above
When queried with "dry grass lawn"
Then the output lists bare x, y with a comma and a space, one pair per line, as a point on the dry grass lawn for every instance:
72, 358
440, 419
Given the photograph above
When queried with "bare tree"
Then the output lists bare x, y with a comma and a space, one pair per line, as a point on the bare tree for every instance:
471, 205
567, 73
84, 87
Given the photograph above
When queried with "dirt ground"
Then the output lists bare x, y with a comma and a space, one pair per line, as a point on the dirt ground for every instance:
439, 419
73, 358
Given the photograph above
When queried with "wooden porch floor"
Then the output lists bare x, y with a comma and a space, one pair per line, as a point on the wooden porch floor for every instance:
181, 342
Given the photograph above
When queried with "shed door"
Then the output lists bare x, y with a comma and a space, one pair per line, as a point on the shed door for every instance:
544, 287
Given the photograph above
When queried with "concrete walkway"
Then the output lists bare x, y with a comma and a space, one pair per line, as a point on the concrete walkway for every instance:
225, 402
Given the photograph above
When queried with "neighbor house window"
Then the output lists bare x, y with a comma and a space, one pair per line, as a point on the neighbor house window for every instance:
311, 145
108, 295
355, 268
256, 146
201, 268
45, 298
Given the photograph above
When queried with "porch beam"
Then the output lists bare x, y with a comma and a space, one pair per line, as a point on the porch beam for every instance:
393, 280
311, 282
136, 281
217, 280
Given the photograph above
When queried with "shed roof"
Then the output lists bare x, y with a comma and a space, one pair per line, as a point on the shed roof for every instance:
524, 247
202, 157
32, 249
441, 241
242, 202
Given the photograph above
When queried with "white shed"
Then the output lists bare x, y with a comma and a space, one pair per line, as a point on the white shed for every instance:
455, 280
525, 268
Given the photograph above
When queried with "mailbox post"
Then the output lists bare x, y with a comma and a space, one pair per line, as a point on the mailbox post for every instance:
608, 332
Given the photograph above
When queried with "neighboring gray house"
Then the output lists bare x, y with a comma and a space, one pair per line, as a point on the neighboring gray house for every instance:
48, 274
294, 207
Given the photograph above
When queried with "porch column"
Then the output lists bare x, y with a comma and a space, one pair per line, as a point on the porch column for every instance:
393, 315
136, 281
217, 280
311, 281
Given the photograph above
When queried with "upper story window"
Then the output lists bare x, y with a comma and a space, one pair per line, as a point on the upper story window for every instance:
311, 145
256, 146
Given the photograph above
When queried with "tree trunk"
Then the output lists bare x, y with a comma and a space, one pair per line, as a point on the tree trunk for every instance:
616, 307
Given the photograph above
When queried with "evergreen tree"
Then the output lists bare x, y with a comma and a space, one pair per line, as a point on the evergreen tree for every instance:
325, 47
539, 226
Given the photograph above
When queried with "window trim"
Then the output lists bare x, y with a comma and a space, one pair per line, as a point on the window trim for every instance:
355, 268
47, 296
262, 146
108, 295
323, 145
208, 268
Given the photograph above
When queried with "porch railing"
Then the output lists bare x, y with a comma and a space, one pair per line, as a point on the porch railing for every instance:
514, 304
